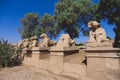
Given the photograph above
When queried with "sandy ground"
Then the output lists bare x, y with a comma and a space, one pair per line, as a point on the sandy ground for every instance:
27, 72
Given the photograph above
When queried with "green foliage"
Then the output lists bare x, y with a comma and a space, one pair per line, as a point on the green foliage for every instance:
8, 55
80, 44
48, 24
46, 21
110, 10
72, 14
30, 25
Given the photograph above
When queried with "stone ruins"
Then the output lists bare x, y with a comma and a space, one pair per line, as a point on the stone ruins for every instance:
46, 42
97, 61
66, 41
97, 36
33, 42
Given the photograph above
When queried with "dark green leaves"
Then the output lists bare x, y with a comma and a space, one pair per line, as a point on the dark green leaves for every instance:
30, 25
8, 55
109, 10
72, 14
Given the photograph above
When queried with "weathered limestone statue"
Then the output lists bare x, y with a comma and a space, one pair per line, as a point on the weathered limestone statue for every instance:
46, 42
26, 43
66, 41
97, 35
23, 43
34, 42
20, 44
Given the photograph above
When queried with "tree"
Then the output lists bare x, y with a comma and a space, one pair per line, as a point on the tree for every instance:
110, 10
30, 25
72, 14
48, 24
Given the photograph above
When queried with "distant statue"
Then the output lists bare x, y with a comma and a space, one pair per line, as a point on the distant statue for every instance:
97, 34
26, 43
34, 42
46, 42
23, 43
20, 44
66, 41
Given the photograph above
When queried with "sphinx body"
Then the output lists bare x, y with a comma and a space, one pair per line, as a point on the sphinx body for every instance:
34, 42
46, 42
97, 35
66, 41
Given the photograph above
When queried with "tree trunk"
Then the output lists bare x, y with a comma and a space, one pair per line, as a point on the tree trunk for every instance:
117, 36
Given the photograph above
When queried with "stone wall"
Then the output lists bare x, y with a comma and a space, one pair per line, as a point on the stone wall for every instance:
103, 64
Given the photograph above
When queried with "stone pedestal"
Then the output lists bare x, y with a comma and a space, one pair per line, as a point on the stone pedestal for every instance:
33, 56
27, 53
103, 63
57, 61
41, 52
57, 58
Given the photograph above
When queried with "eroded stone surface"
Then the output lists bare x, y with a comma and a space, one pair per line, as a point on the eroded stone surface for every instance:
46, 42
97, 36
66, 41
103, 63
34, 42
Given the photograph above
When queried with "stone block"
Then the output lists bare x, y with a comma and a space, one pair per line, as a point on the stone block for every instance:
103, 63
56, 61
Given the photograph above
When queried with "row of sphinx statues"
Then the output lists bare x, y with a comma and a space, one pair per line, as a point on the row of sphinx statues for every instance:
97, 37
64, 41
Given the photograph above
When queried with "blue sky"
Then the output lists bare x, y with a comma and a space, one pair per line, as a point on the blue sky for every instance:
12, 10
